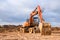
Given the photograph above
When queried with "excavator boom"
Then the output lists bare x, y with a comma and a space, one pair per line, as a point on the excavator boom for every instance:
35, 12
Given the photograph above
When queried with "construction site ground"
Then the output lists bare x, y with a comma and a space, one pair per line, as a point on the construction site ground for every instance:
29, 36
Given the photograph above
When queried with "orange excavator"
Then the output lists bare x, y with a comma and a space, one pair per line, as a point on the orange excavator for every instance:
44, 27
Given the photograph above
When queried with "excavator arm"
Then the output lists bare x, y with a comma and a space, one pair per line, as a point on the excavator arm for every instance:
35, 12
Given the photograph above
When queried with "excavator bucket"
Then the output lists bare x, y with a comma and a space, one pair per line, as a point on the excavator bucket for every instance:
45, 28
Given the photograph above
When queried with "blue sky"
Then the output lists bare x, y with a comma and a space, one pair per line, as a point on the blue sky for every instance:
17, 11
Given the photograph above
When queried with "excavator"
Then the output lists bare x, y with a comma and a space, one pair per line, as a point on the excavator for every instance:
31, 25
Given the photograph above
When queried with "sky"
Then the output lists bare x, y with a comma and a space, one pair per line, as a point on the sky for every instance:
17, 11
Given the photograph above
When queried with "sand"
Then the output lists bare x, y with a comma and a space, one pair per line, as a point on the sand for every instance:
28, 36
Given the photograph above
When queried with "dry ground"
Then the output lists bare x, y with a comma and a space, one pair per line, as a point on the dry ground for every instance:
27, 36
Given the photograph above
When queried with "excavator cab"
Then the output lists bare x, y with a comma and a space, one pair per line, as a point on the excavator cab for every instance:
35, 22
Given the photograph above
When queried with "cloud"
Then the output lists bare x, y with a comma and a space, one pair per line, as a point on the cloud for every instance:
17, 11
14, 10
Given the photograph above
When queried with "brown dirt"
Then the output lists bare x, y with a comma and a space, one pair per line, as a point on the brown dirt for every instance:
28, 36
